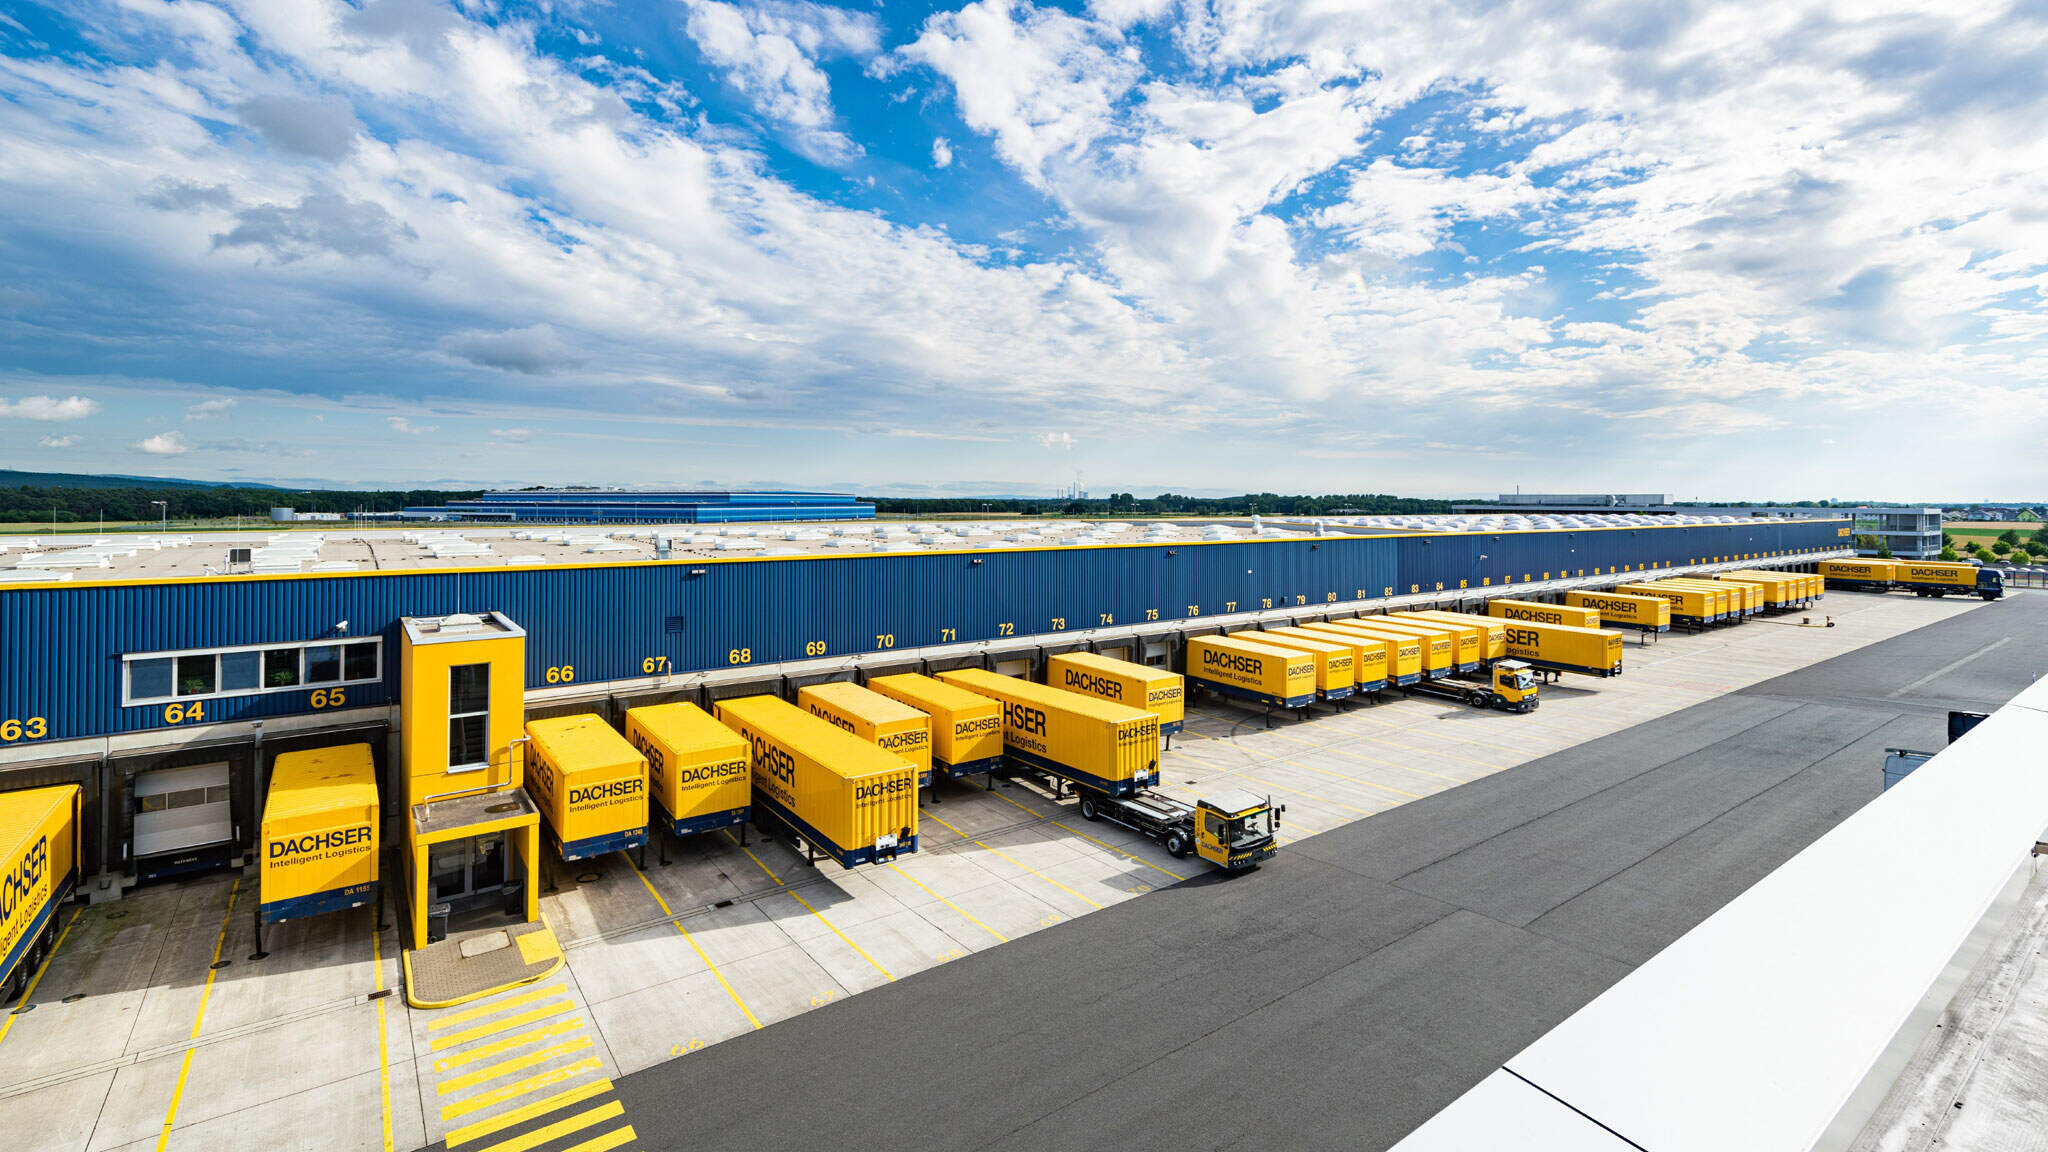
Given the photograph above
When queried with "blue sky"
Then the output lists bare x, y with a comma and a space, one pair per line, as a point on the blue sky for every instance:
1732, 250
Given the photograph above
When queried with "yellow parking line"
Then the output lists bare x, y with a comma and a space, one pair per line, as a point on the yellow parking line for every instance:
948, 903
205, 993
515, 1064
525, 1112
560, 1128
820, 915
484, 1051
605, 1142
1331, 772
494, 1007
1371, 783
843, 936
383, 1045
1310, 795
493, 1027
701, 954
1119, 851
7, 1025
1037, 873
1019, 863
750, 855
518, 1088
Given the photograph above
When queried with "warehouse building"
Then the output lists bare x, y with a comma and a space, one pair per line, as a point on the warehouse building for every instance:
594, 506
167, 696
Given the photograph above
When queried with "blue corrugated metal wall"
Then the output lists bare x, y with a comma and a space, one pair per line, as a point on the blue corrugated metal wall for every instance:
61, 648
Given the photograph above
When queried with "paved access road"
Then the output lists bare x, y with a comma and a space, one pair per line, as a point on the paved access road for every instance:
1342, 994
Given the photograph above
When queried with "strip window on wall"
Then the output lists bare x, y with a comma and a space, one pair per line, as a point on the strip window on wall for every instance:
169, 677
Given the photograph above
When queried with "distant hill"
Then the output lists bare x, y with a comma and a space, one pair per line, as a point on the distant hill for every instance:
13, 479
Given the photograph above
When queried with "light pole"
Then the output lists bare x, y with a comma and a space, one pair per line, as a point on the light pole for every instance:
163, 512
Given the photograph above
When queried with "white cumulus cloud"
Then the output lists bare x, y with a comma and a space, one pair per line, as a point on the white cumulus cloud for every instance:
49, 408
769, 51
59, 441
163, 444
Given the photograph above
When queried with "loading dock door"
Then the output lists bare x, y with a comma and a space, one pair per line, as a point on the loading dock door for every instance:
181, 808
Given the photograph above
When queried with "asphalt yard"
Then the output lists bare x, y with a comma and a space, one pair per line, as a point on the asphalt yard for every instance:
154, 1027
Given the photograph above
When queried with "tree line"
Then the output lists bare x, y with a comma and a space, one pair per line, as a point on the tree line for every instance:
1167, 504
36, 505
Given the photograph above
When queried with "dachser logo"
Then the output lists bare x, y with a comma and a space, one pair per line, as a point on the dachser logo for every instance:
776, 762
1523, 637
1024, 719
712, 773
895, 740
606, 790
1540, 615
978, 725
544, 775
821, 714
1094, 685
24, 878
320, 841
1601, 603
1232, 661
884, 788
1161, 695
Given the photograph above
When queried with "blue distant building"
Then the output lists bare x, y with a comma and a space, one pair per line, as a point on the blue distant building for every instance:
588, 506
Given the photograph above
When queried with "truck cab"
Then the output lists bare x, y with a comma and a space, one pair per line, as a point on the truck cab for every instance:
1990, 583
1234, 829
1514, 682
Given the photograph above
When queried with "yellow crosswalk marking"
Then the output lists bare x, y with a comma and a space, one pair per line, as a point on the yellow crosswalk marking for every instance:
493, 1027
560, 1128
525, 1112
506, 1067
605, 1142
518, 1088
485, 1051
492, 1008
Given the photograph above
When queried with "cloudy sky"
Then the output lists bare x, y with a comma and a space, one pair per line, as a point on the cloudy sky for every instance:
1727, 249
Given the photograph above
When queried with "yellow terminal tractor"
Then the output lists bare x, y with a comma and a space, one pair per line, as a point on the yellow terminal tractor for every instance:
320, 835
1232, 829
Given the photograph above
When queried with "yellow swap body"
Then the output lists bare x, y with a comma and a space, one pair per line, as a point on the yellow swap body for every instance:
319, 833
1795, 588
1642, 613
1368, 653
967, 730
838, 793
1111, 748
1777, 594
589, 784
1439, 643
1689, 606
1474, 634
1242, 669
1572, 614
1156, 690
1336, 677
1492, 634
1586, 651
1404, 653
889, 724
1860, 575
1933, 578
1732, 600
39, 845
697, 769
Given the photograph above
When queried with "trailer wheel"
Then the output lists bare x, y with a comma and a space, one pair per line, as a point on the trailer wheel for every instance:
1176, 844
1089, 809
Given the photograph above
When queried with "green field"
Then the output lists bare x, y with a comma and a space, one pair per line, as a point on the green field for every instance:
1986, 531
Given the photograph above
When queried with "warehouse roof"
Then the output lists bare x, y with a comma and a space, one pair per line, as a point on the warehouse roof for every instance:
30, 559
